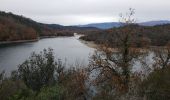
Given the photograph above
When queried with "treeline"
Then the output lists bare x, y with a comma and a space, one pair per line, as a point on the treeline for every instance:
154, 35
14, 27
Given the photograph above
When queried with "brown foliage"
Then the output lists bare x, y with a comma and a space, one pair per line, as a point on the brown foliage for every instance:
113, 66
75, 84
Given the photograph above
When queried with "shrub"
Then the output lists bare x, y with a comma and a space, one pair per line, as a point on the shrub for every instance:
38, 70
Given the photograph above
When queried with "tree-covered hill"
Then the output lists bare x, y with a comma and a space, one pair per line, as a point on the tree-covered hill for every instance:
155, 35
14, 27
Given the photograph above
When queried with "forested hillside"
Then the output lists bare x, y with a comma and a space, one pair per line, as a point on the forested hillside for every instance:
155, 35
14, 27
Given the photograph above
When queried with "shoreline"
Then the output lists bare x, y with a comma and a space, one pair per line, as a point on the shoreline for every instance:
18, 41
90, 44
26, 41
43, 37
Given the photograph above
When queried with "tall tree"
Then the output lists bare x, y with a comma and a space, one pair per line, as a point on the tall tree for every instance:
113, 65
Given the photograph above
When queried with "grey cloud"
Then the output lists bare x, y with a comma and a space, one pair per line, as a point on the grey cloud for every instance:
68, 12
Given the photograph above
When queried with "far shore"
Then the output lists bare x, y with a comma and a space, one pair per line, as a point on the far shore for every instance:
18, 41
32, 40
90, 44
42, 37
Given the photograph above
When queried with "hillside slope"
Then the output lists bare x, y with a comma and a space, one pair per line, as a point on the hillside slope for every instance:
14, 27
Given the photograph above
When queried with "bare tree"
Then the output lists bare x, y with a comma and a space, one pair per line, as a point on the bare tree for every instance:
113, 65
162, 57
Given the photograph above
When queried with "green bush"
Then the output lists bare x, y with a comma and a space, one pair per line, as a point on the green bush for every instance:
38, 70
51, 93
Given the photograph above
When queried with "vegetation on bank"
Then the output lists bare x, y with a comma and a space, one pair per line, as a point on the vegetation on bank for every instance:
154, 35
41, 77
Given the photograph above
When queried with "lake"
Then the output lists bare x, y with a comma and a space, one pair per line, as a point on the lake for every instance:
69, 49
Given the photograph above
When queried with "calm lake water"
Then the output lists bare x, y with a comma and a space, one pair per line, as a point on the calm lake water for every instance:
70, 49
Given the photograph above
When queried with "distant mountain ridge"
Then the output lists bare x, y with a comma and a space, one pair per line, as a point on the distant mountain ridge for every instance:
153, 23
109, 25
106, 25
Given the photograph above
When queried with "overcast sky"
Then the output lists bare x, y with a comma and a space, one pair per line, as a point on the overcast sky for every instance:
74, 12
